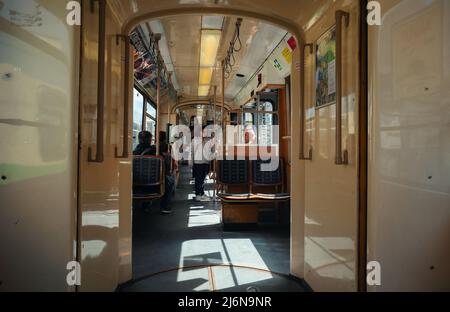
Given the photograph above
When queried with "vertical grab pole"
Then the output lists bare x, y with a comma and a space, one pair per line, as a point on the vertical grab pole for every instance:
126, 85
215, 144
158, 93
169, 83
302, 102
99, 157
340, 160
258, 101
224, 133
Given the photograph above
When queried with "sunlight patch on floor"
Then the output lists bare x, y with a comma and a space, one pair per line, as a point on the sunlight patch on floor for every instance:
223, 251
203, 217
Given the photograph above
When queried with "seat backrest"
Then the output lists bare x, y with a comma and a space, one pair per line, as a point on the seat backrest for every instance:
147, 170
233, 172
260, 177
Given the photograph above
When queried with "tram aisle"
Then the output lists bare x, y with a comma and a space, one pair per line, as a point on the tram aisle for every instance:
189, 251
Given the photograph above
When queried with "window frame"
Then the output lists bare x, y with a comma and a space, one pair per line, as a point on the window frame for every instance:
257, 115
145, 115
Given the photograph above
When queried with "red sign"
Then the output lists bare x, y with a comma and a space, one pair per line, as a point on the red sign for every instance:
292, 43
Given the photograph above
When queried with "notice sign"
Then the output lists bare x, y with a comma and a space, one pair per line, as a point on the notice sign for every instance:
326, 69
287, 54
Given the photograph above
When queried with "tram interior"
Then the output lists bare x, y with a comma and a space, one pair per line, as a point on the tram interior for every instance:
214, 245
349, 97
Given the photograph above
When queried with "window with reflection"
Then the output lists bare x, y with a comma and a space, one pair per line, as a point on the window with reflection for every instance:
144, 116
138, 110
266, 131
260, 117
267, 106
150, 119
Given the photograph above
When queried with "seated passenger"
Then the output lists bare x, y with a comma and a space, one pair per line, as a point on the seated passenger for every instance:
146, 148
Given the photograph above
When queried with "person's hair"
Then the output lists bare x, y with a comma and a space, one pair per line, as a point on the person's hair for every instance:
145, 138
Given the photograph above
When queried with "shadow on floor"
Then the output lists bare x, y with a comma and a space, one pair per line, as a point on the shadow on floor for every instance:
192, 236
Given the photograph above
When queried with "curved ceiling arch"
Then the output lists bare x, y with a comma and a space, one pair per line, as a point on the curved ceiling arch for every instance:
187, 104
288, 25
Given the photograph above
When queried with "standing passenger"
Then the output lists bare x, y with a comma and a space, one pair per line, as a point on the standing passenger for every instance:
200, 169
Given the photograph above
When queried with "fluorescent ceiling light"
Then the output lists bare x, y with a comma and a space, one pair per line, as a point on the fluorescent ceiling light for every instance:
203, 90
209, 47
210, 40
205, 76
212, 22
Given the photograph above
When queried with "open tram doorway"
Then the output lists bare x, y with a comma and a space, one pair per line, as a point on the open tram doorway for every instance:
193, 72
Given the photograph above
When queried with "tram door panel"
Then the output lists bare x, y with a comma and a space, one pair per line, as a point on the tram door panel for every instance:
105, 176
331, 180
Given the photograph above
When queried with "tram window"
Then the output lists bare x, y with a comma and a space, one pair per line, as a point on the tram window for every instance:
266, 106
265, 122
233, 119
150, 125
150, 119
266, 131
138, 104
151, 110
248, 135
249, 119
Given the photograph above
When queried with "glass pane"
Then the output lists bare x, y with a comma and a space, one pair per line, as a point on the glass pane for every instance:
266, 130
234, 119
151, 110
266, 106
248, 128
138, 102
150, 125
268, 101
249, 119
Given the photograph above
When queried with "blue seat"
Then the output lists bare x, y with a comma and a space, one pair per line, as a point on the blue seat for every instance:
148, 177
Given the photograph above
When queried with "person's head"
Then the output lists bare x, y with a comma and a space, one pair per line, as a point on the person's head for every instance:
145, 138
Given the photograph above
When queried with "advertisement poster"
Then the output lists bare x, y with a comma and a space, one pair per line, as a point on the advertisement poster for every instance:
144, 68
326, 69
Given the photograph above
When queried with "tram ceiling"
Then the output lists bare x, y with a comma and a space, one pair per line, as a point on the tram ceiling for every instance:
198, 105
181, 49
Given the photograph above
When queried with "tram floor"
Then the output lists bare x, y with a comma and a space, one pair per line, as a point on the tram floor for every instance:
189, 251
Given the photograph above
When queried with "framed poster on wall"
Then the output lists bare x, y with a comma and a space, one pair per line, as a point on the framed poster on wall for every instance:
326, 69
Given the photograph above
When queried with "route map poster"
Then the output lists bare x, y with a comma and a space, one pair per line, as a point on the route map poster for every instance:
326, 69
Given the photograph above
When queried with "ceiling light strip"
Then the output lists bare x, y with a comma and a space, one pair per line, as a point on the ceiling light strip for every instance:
209, 46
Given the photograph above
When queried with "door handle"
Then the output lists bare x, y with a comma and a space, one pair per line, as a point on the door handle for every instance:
99, 157
302, 103
126, 86
341, 158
